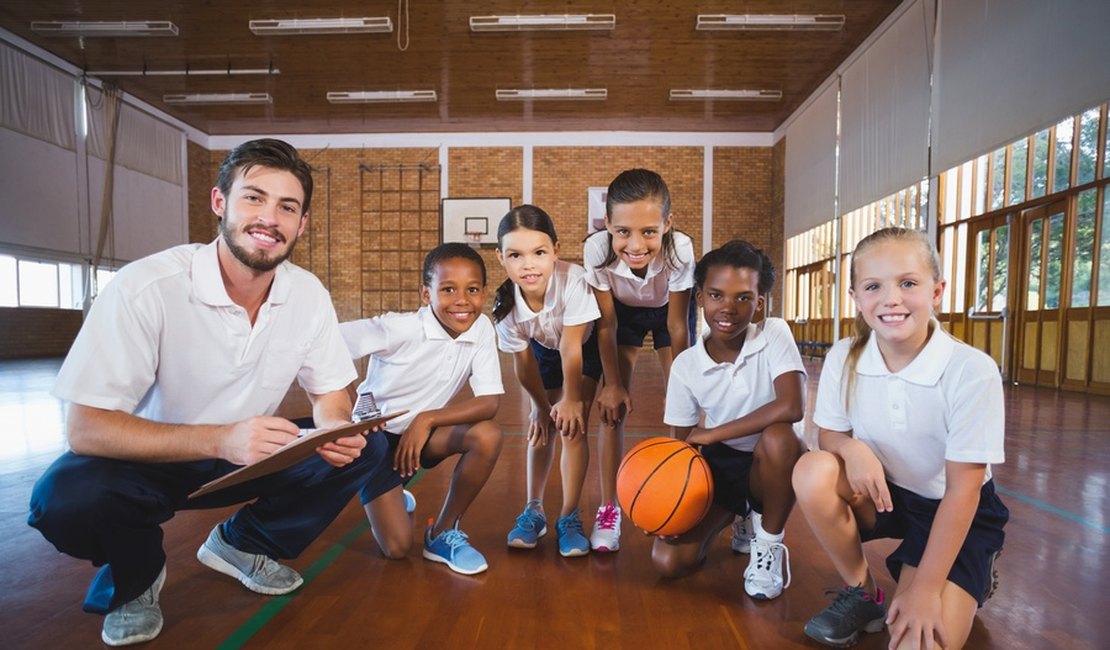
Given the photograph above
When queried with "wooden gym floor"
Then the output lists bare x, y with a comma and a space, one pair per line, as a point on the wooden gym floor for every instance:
1056, 482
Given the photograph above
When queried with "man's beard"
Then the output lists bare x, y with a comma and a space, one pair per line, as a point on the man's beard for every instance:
259, 260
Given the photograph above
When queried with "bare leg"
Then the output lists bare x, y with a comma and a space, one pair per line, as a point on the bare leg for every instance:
674, 557
478, 446
575, 458
835, 514
611, 438
957, 610
540, 459
775, 455
391, 525
665, 360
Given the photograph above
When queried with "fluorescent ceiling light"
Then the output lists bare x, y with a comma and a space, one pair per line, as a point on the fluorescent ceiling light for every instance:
105, 29
740, 95
219, 98
381, 24
382, 96
185, 72
578, 94
808, 22
542, 22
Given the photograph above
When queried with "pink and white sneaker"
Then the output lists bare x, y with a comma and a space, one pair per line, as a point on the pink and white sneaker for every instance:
606, 537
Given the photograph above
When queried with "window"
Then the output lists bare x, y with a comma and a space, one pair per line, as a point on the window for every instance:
1019, 165
1088, 146
1040, 165
1104, 254
1084, 249
1061, 173
27, 282
998, 178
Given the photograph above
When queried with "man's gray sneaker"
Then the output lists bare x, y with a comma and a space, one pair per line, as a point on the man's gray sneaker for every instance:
138, 620
257, 572
853, 611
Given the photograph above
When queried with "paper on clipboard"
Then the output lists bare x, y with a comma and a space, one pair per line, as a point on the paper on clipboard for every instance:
294, 452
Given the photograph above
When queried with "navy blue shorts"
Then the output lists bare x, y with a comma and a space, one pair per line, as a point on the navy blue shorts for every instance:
911, 521
551, 362
731, 470
633, 324
386, 481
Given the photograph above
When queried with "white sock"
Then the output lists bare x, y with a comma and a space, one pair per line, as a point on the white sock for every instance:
762, 535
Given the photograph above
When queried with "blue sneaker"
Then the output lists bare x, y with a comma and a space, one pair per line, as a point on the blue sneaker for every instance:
452, 549
530, 526
410, 501
572, 542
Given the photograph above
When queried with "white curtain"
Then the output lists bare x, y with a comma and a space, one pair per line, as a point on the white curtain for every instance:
811, 165
884, 111
1006, 69
36, 99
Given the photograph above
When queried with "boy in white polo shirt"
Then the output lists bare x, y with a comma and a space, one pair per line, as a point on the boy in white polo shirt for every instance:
419, 362
748, 383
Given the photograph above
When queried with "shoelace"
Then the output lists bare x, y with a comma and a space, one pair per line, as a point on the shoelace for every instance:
843, 597
607, 517
765, 557
570, 523
528, 520
454, 538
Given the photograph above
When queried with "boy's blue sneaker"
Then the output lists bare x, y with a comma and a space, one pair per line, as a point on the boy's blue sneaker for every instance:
572, 542
410, 501
452, 549
530, 526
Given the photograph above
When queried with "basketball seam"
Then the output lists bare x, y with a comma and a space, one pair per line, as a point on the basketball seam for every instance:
647, 479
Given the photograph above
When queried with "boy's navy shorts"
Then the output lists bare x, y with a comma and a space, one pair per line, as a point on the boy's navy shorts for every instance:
911, 521
633, 324
386, 481
731, 470
551, 362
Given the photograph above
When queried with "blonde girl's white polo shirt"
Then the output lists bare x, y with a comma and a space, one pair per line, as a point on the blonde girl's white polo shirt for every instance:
165, 342
725, 392
568, 301
946, 405
660, 279
416, 365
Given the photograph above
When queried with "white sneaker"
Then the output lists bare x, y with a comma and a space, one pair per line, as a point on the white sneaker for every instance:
606, 537
742, 533
138, 620
763, 577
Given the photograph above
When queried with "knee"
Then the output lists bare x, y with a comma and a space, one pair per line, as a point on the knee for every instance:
69, 494
778, 444
816, 472
667, 561
394, 546
485, 439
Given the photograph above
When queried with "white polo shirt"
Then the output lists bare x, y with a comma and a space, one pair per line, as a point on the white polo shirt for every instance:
568, 301
165, 342
416, 365
652, 290
945, 405
725, 392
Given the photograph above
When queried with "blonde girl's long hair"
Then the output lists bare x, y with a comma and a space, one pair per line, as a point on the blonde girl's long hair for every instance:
862, 331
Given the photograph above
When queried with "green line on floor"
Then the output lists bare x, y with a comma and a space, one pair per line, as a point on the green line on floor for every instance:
246, 631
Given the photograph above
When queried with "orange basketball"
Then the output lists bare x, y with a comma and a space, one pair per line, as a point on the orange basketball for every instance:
664, 486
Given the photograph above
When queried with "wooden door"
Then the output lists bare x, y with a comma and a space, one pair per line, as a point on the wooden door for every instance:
1039, 335
988, 292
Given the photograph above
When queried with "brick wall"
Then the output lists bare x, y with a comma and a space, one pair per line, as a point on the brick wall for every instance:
375, 212
31, 332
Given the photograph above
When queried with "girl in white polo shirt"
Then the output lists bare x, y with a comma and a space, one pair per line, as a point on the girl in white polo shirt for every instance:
747, 382
545, 314
642, 272
910, 422
418, 362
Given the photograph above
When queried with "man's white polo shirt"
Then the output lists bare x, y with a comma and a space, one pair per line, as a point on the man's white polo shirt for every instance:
165, 342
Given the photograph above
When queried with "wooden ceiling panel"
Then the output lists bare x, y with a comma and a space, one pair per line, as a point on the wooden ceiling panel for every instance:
653, 48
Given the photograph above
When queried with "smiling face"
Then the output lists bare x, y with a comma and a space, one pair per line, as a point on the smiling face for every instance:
637, 229
529, 258
730, 298
455, 294
261, 217
895, 292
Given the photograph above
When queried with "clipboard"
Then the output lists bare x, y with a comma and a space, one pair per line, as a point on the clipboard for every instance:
294, 452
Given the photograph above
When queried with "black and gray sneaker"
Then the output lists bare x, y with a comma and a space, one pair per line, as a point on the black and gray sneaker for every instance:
853, 611
992, 576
